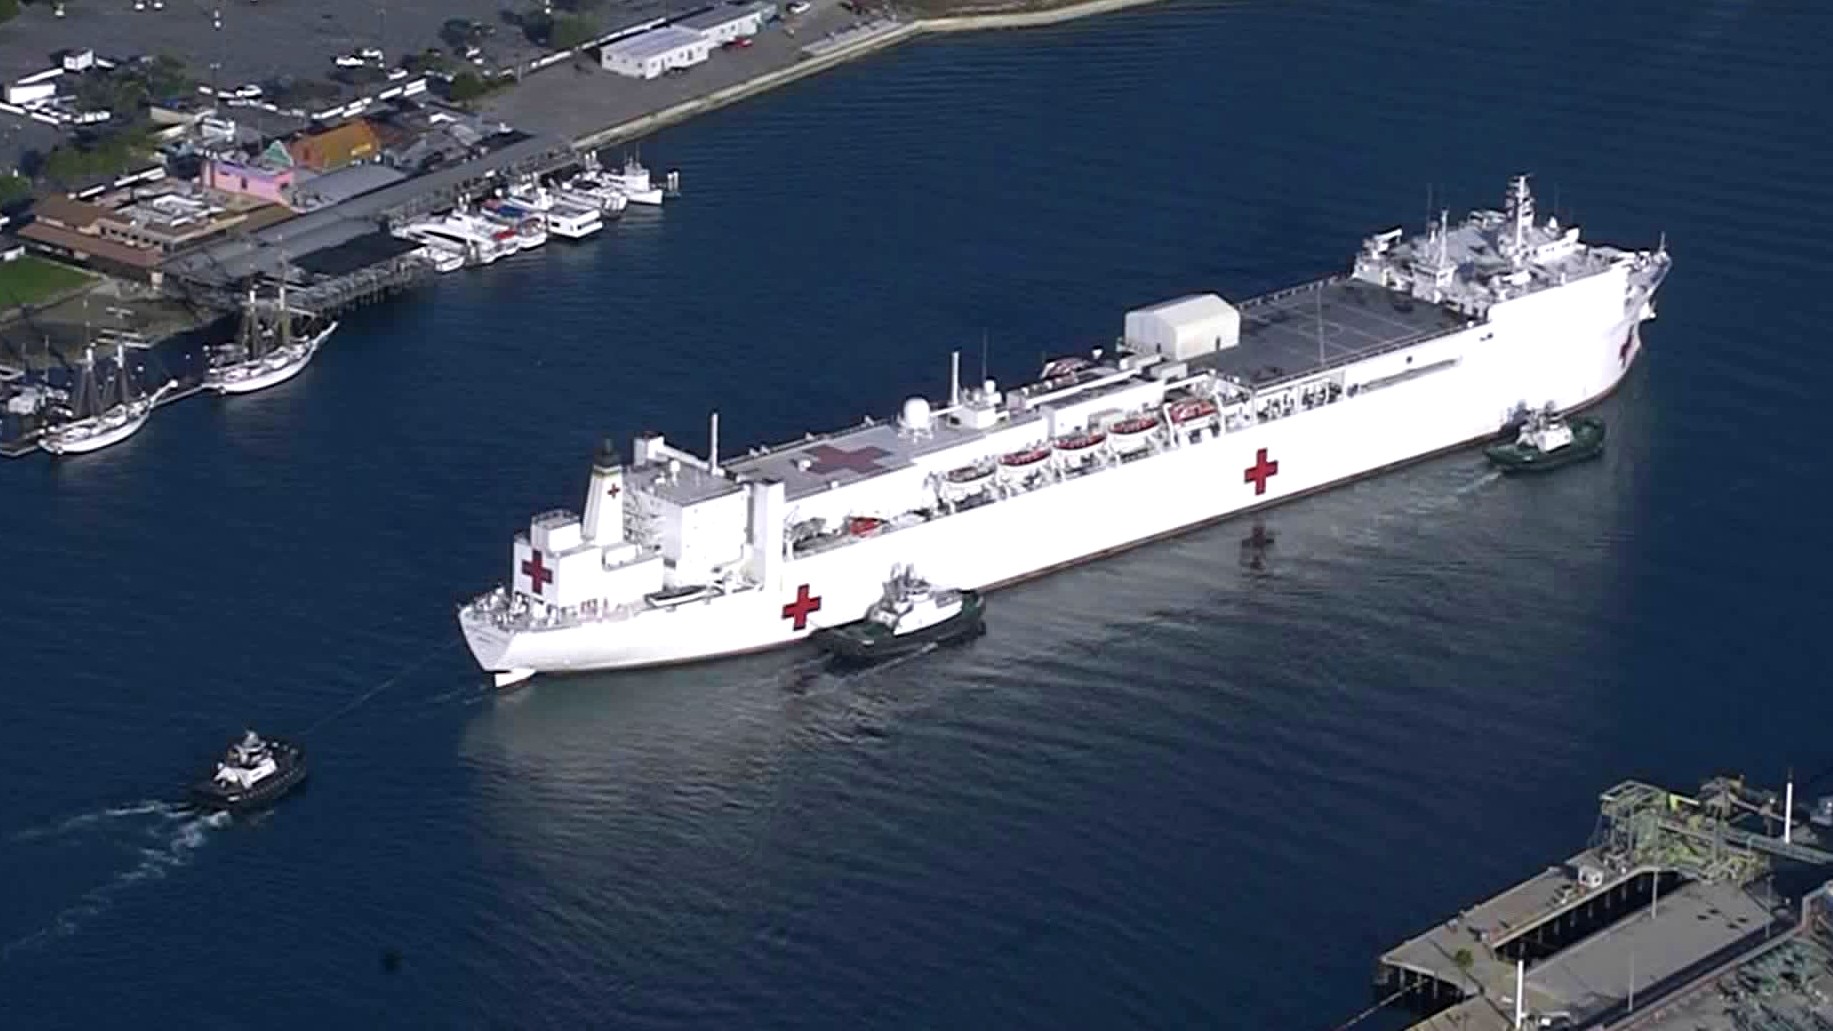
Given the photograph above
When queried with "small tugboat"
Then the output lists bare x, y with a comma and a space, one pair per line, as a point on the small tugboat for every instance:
1547, 442
254, 772
911, 614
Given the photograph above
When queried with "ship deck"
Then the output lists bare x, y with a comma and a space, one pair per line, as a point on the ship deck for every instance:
1293, 333
1285, 335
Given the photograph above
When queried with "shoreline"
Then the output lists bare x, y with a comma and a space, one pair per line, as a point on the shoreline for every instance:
810, 65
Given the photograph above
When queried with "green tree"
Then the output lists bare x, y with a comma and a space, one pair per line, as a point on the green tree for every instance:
14, 188
466, 86
8, 8
571, 31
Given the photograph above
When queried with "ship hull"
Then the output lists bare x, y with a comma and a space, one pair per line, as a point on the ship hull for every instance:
1089, 517
271, 376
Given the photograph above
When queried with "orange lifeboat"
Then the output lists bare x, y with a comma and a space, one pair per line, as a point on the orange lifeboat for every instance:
1029, 456
1135, 425
859, 526
1079, 441
1184, 411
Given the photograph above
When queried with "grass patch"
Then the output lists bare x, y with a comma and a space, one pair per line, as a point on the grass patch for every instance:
31, 280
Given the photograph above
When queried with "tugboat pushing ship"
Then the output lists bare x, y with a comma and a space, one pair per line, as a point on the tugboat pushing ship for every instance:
1202, 410
911, 616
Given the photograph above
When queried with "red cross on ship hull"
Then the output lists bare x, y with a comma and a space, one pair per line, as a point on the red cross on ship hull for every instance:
1260, 472
800, 609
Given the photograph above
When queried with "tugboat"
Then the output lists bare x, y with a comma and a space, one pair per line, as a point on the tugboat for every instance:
1547, 442
910, 615
253, 772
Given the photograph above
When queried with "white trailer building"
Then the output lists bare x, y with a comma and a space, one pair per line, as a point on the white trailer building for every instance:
654, 52
726, 23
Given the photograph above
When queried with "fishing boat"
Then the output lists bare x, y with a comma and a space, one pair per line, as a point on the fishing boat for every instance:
107, 421
911, 614
254, 771
266, 352
1547, 442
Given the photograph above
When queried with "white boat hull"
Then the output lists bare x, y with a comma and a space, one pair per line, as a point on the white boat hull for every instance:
262, 373
1497, 369
101, 431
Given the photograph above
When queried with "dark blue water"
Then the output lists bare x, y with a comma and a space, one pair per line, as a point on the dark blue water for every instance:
1167, 790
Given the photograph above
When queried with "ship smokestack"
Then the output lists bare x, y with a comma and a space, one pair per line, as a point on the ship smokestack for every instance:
712, 445
954, 379
604, 516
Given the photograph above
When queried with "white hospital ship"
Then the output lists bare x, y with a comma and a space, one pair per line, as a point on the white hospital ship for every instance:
1205, 409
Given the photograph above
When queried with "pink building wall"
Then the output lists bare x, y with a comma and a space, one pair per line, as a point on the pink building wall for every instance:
263, 183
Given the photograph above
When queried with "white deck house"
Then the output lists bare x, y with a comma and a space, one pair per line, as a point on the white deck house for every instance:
652, 53
726, 23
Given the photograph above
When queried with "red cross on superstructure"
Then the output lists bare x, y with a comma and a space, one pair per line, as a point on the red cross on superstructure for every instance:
830, 459
615, 489
799, 609
537, 573
1260, 472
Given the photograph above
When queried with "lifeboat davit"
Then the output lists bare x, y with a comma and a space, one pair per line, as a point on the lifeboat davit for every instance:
859, 526
1136, 425
1200, 408
1079, 441
1029, 456
968, 474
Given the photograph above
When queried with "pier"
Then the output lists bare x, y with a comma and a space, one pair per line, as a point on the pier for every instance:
1671, 892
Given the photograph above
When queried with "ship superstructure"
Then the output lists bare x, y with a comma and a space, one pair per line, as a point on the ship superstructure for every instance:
1202, 410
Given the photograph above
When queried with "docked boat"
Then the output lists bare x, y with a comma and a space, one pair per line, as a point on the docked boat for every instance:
1547, 442
106, 422
590, 186
266, 353
634, 183
530, 228
480, 242
255, 771
912, 614
571, 221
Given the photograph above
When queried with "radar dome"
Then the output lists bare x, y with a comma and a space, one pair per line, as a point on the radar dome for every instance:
916, 415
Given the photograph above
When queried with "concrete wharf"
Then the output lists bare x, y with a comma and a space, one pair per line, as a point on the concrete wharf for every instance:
1671, 889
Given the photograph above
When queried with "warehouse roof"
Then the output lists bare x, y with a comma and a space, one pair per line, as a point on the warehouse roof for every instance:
655, 43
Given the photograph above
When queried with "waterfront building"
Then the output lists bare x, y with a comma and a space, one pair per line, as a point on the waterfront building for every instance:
655, 52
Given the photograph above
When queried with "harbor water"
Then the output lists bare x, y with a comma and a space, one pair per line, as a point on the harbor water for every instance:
1202, 784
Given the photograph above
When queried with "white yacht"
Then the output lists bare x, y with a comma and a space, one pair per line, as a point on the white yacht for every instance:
528, 225
633, 182
481, 243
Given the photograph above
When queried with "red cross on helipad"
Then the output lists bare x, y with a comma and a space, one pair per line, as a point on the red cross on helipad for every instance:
537, 573
799, 609
1623, 352
830, 459
1261, 471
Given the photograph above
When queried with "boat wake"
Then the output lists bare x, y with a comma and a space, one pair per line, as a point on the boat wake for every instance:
84, 821
169, 835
